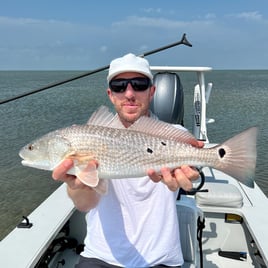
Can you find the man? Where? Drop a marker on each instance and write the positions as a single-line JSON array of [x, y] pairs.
[[135, 223]]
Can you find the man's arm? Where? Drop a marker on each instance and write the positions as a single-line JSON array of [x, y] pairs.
[[83, 196]]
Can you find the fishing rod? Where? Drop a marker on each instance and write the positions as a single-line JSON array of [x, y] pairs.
[[183, 41]]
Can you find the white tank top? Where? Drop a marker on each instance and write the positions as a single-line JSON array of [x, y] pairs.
[[134, 225]]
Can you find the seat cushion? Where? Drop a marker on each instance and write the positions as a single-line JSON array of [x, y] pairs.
[[222, 195]]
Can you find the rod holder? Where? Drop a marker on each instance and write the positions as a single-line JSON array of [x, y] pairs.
[[25, 223]]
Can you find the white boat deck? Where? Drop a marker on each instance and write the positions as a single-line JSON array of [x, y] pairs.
[[25, 246], [47, 223], [253, 213]]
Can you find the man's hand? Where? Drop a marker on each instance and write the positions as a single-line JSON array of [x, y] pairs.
[[83, 196], [60, 174], [181, 177]]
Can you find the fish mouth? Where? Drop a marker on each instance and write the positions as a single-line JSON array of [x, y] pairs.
[[42, 165], [26, 163], [22, 154]]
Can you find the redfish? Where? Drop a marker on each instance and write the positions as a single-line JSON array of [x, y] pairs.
[[129, 152]]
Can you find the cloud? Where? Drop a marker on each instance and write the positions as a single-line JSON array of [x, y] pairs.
[[252, 15], [53, 44], [158, 22], [152, 10], [103, 49], [210, 16], [47, 44]]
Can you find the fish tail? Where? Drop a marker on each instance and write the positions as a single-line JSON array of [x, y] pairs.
[[237, 156]]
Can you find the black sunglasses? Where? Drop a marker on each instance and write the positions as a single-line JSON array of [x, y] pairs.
[[137, 83]]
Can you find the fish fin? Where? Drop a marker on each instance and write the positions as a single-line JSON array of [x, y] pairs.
[[157, 128], [87, 173], [163, 130], [103, 117], [102, 187], [116, 123], [237, 156]]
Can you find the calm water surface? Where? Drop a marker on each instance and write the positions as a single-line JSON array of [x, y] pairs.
[[238, 100]]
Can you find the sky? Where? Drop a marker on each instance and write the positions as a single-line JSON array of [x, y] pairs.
[[88, 34]]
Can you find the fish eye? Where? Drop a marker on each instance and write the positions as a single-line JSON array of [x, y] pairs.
[[30, 147]]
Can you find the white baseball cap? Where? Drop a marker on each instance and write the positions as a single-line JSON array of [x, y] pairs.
[[129, 63]]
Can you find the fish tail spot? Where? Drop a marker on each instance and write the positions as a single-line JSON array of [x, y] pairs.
[[222, 152]]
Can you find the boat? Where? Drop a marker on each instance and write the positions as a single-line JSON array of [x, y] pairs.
[[222, 222]]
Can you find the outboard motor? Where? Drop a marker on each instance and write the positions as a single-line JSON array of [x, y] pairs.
[[167, 102]]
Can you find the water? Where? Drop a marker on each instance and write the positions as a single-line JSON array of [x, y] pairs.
[[238, 101]]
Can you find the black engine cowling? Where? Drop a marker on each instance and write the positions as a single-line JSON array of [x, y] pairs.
[[167, 102]]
